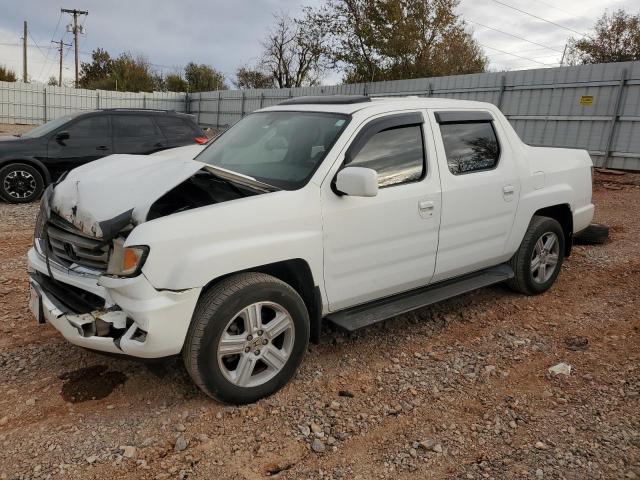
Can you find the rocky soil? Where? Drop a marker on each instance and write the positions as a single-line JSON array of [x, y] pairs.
[[459, 390]]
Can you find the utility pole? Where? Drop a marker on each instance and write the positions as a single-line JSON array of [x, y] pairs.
[[75, 30], [24, 53], [61, 46], [564, 54]]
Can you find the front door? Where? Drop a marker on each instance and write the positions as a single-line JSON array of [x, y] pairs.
[[383, 245], [79, 142]]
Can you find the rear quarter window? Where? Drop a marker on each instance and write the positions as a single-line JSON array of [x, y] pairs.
[[174, 126], [133, 126]]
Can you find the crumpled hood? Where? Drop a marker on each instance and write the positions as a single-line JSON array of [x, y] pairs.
[[102, 197]]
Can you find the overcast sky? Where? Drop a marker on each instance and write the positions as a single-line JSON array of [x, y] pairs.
[[227, 34]]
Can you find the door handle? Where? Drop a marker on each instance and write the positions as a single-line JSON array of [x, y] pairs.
[[507, 192], [426, 205], [102, 147]]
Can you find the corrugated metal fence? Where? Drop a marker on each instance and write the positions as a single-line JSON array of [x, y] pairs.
[[595, 107], [35, 104]]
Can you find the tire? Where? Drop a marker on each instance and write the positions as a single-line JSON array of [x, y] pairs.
[[20, 183], [223, 310], [529, 279], [594, 234]]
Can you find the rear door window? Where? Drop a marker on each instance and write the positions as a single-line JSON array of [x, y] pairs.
[[470, 146], [133, 126]]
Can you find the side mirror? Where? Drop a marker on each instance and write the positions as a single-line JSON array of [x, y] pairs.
[[62, 136], [357, 182]]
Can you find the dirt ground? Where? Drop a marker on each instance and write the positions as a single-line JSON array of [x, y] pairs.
[[458, 390]]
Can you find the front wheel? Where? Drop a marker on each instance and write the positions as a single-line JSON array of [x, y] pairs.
[[20, 183], [537, 262], [247, 338]]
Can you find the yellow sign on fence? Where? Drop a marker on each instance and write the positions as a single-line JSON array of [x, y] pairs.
[[586, 100]]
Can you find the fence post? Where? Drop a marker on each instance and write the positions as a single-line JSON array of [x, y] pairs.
[[200, 106], [614, 119], [187, 103], [503, 81], [261, 99], [217, 110], [97, 99], [429, 89], [45, 105], [144, 101], [242, 104]]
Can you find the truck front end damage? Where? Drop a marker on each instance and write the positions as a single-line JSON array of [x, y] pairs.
[[70, 289]]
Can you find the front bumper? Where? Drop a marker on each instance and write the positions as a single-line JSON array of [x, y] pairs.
[[140, 321]]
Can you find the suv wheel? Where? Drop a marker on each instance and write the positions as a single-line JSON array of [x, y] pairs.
[[537, 262], [247, 338], [20, 183]]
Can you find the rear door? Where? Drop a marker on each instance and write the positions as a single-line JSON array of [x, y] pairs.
[[136, 134], [178, 131], [87, 138], [480, 191]]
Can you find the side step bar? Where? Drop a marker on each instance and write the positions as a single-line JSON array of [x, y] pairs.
[[367, 314]]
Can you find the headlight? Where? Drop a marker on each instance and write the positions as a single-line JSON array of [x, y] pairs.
[[126, 261]]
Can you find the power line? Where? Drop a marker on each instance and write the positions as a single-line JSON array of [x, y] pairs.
[[512, 35], [557, 8], [518, 56], [540, 18]]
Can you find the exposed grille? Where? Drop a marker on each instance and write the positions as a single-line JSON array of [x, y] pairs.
[[69, 246]]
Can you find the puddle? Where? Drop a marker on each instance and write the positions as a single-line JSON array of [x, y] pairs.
[[90, 383]]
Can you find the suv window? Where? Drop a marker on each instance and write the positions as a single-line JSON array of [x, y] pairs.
[[173, 126], [397, 154], [97, 126], [470, 147], [133, 126]]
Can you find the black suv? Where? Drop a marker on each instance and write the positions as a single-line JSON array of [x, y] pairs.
[[31, 161]]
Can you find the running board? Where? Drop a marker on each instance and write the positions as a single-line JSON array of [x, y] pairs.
[[383, 309]]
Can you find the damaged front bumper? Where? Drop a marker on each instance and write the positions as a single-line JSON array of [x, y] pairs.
[[135, 318]]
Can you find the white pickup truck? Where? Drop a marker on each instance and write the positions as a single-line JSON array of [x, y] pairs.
[[344, 209]]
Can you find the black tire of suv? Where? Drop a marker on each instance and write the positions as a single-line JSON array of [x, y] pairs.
[[523, 281], [13, 167], [215, 309], [594, 234]]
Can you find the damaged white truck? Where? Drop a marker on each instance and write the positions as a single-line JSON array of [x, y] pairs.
[[344, 209]]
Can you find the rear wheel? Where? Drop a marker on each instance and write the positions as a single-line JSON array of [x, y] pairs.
[[20, 183], [537, 262], [247, 338]]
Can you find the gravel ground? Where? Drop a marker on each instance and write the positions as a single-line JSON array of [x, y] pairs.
[[11, 129], [458, 390]]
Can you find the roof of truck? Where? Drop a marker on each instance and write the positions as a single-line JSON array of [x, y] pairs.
[[349, 104]]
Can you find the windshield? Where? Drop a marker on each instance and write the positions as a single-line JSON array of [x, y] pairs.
[[48, 127], [282, 149]]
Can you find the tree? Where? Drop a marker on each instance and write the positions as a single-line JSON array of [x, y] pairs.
[[97, 70], [376, 40], [203, 78], [247, 77], [616, 38], [7, 75], [53, 81], [175, 83], [293, 52]]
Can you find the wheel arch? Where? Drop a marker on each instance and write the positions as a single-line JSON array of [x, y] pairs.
[[34, 162], [295, 272], [562, 214]]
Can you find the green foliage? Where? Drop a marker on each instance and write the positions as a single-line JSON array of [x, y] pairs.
[[53, 81], [377, 40], [7, 75], [175, 83], [616, 39], [203, 78], [252, 78]]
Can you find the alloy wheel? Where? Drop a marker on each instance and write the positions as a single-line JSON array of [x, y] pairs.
[[19, 184], [544, 259]]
